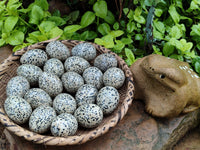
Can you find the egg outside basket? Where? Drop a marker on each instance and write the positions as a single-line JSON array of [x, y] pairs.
[[8, 70]]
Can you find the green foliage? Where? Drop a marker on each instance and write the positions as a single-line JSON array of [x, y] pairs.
[[175, 27]]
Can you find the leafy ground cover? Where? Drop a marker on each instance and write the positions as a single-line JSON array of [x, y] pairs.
[[132, 28]]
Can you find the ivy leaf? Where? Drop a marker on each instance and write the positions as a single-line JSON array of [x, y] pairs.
[[10, 23], [159, 26], [106, 41], [127, 40], [100, 9], [55, 32], [175, 32], [118, 47], [116, 33], [195, 30], [158, 12], [168, 49], [110, 18], [16, 38], [130, 27], [174, 14], [36, 15], [46, 26], [87, 19], [104, 28]]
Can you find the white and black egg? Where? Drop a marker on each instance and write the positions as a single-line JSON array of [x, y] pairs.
[[36, 97], [64, 125], [54, 66], [85, 50], [17, 109], [114, 77], [89, 115], [108, 99], [35, 57], [76, 64], [41, 119], [56, 49], [17, 85], [105, 61], [72, 81], [94, 76], [30, 72], [64, 103], [86, 94], [50, 83]]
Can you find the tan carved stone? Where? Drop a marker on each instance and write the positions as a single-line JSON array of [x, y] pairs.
[[167, 86]]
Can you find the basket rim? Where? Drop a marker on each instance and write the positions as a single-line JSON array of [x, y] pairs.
[[70, 140]]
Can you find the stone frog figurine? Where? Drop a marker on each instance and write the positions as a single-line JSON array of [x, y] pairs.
[[168, 86]]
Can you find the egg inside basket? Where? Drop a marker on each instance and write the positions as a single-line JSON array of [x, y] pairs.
[[126, 92]]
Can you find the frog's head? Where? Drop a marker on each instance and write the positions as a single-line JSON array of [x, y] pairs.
[[165, 85]]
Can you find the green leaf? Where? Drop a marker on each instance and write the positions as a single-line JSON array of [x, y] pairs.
[[129, 54], [174, 14], [87, 19], [106, 41], [99, 41], [195, 30], [92, 35], [46, 26], [129, 12], [158, 12], [100, 8], [138, 37], [130, 27], [110, 18], [140, 19], [10, 23], [55, 32], [84, 35], [138, 11], [42, 3], [74, 15], [33, 37], [58, 20], [18, 47], [168, 49], [116, 26], [175, 32], [197, 67], [157, 34], [16, 38], [36, 15], [116, 33], [104, 28], [72, 28], [185, 46], [2, 42], [159, 26], [118, 47], [127, 40]]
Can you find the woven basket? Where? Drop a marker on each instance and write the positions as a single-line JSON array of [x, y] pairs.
[[8, 70]]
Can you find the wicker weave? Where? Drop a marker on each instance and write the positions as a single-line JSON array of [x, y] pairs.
[[8, 70]]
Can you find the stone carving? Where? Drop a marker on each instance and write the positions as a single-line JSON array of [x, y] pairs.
[[167, 86]]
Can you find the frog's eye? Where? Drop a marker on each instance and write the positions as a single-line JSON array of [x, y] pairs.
[[162, 76]]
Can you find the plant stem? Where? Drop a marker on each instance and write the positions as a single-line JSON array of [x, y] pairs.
[[26, 23]]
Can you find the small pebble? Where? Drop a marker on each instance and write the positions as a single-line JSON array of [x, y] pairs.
[[17, 85], [36, 97], [85, 50], [54, 66], [114, 77], [30, 72], [64, 125], [41, 119], [50, 83], [94, 76], [89, 115], [76, 64], [35, 57], [105, 61], [72, 81], [86, 94], [17, 109], [64, 103], [108, 99], [56, 49]]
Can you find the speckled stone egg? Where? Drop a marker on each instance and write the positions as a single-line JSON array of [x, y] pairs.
[[35, 57], [36, 97], [17, 109], [86, 94], [85, 50], [50, 83], [114, 77], [76, 64], [56, 49], [64, 103], [30, 72], [72, 81], [89, 115], [94, 76], [17, 85], [105, 61], [54, 66], [41, 119], [64, 125], [108, 99]]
